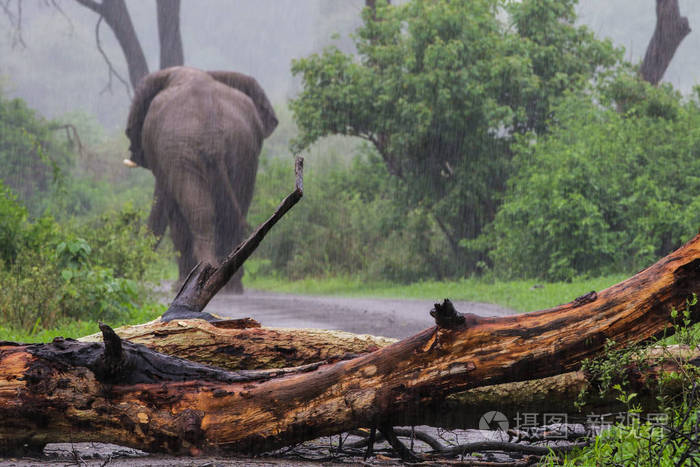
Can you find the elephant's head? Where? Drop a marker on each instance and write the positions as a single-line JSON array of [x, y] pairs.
[[154, 83]]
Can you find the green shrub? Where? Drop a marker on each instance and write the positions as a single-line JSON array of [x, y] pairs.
[[12, 216], [59, 260], [121, 241], [349, 222], [31, 157], [55, 273], [613, 187]]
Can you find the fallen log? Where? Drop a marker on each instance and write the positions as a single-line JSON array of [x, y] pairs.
[[245, 345], [242, 344], [46, 396], [561, 394]]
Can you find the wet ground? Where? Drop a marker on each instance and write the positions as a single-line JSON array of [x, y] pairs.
[[322, 451], [382, 317], [377, 316]]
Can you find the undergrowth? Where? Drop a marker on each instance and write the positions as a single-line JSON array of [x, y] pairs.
[[522, 295], [669, 436]]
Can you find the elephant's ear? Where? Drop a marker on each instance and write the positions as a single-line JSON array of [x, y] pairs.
[[147, 89], [248, 85]]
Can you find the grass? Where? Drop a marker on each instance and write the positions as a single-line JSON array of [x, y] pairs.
[[76, 329], [517, 295], [522, 296]]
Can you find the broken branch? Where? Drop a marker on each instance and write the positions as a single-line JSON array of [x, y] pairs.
[[205, 280]]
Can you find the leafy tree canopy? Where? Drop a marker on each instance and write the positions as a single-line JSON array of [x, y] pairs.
[[441, 87], [613, 186], [31, 156]]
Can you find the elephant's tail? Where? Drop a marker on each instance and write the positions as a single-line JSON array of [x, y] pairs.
[[231, 194]]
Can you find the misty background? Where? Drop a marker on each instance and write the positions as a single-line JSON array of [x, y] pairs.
[[60, 70], [434, 199]]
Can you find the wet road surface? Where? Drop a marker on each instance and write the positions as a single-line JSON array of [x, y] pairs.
[[387, 317]]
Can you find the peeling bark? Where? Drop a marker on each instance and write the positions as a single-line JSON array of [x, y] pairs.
[[244, 345], [44, 397]]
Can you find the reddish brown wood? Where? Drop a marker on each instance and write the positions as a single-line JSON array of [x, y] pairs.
[[43, 398]]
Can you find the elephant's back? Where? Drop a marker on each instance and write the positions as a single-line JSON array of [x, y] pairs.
[[199, 115]]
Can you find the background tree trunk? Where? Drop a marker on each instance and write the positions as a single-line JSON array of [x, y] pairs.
[[171, 53], [117, 16], [671, 29]]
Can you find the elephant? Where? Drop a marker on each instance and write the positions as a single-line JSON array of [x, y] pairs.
[[200, 133]]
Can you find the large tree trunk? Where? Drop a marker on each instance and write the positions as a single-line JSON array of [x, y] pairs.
[[244, 345], [671, 29], [171, 53], [70, 391], [117, 16]]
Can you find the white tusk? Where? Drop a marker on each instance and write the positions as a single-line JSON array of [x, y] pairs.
[[130, 163]]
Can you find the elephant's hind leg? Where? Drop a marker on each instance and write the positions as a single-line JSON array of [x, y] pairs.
[[182, 241], [191, 190]]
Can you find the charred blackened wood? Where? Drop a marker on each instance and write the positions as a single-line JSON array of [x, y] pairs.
[[125, 363], [447, 317], [586, 298]]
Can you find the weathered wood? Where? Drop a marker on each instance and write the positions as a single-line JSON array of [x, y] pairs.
[[44, 398], [244, 345], [559, 393], [205, 280]]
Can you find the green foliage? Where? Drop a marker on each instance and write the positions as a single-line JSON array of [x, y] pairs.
[[121, 241], [38, 162], [349, 222], [613, 186], [608, 374], [79, 328], [640, 443], [51, 273], [670, 439], [684, 332], [12, 217], [31, 157], [440, 89], [58, 260]]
